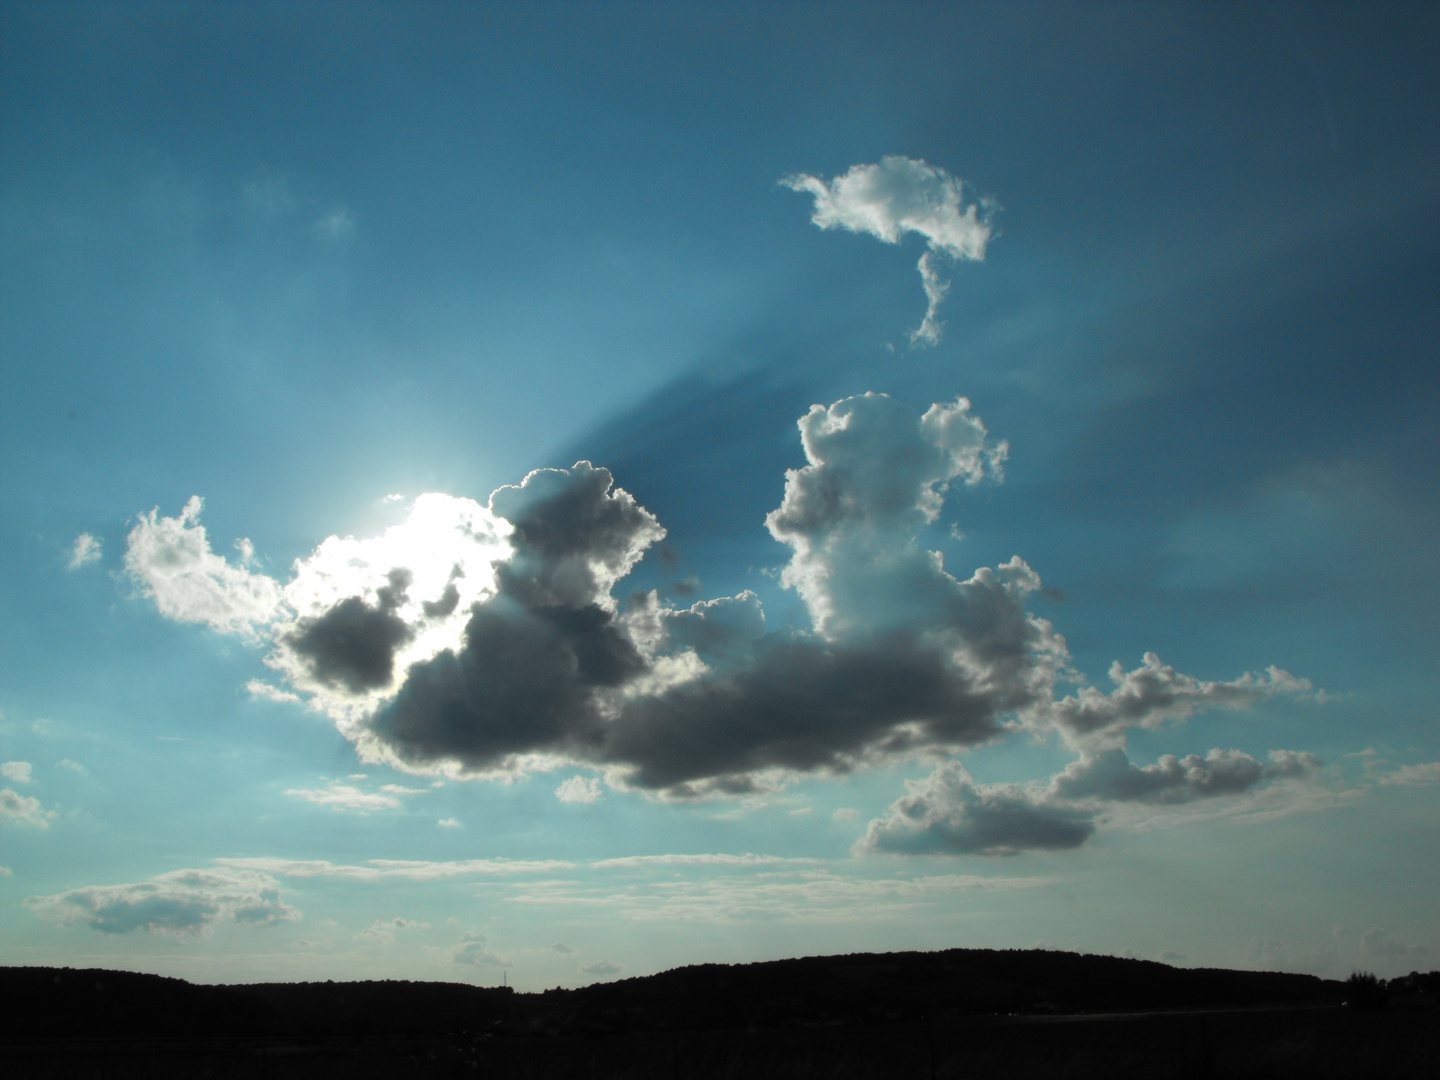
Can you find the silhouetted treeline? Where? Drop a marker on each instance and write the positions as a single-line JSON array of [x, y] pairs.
[[809, 992]]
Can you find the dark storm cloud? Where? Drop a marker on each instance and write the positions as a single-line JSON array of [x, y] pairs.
[[908, 656], [948, 813], [523, 683], [543, 666], [353, 644], [533, 657]]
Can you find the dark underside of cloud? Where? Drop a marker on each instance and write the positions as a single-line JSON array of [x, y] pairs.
[[901, 657]]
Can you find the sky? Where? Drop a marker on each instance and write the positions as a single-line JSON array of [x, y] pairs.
[[547, 493]]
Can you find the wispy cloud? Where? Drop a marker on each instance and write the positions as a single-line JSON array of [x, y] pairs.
[[379, 869], [346, 797], [815, 895], [85, 551]]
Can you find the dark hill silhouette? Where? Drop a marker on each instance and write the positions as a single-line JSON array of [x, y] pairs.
[[962, 1013], [855, 988]]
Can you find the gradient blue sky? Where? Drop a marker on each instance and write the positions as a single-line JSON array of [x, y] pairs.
[[299, 259]]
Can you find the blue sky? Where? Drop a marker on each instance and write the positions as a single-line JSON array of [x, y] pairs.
[[1142, 300]]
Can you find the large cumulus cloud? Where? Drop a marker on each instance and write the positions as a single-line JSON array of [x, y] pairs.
[[902, 195], [487, 640]]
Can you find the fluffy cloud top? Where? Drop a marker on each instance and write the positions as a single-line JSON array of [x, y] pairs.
[[172, 561], [487, 640], [902, 195], [181, 902], [579, 789]]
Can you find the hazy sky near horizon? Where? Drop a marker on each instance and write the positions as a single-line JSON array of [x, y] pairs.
[[556, 492]]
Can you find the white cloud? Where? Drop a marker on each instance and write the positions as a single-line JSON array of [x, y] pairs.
[[715, 859], [448, 823], [257, 689], [85, 551], [602, 967], [346, 797], [16, 809], [336, 225], [5, 871], [811, 895], [473, 951], [382, 931], [180, 902], [73, 766], [18, 771], [579, 789], [902, 195], [172, 561], [1409, 775]]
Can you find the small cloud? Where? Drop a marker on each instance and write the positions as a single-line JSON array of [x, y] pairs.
[[579, 789], [346, 797], [845, 813], [16, 809], [5, 871], [448, 823], [394, 496], [1377, 944], [1170, 957], [336, 225], [357, 776], [73, 766], [804, 810], [563, 949], [258, 689], [382, 931], [305, 945], [473, 951], [85, 551], [1411, 775], [19, 771], [603, 967]]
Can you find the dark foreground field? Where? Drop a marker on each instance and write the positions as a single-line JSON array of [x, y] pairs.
[[961, 1013]]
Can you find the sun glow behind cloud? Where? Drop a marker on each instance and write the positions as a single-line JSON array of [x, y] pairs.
[[485, 641]]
